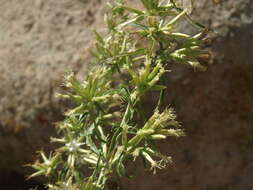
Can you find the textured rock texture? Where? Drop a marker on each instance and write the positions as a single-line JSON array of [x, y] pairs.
[[215, 108], [40, 40]]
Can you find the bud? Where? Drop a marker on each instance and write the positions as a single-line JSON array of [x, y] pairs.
[[152, 21], [158, 137]]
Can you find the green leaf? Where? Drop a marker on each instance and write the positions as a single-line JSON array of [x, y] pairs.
[[136, 11], [158, 87], [150, 4], [91, 144], [120, 168], [99, 37], [114, 138]]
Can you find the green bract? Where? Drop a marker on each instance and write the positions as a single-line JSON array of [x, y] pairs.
[[108, 126]]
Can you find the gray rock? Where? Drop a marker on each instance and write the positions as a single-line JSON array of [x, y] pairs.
[[215, 108], [40, 41]]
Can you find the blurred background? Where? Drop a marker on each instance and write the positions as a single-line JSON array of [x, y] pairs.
[[40, 40]]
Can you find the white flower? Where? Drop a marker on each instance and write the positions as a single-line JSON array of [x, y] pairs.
[[74, 145]]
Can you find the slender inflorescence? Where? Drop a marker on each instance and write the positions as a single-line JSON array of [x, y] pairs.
[[109, 126]]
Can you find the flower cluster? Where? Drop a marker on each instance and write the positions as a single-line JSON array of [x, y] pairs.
[[108, 125]]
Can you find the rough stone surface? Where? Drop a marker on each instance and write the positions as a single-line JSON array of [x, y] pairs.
[[215, 109], [216, 112], [41, 39]]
